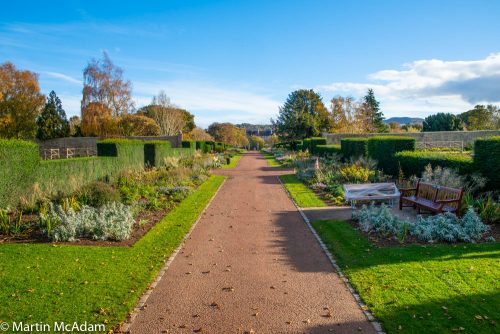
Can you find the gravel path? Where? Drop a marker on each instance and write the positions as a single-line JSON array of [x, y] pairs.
[[251, 265]]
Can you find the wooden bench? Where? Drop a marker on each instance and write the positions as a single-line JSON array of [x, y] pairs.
[[431, 198]]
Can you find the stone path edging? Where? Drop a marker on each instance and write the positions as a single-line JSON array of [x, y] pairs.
[[376, 325], [141, 304]]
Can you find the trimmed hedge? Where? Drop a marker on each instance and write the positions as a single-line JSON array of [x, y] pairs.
[[306, 144], [155, 151], [209, 146], [487, 160], [219, 147], [315, 141], [325, 150], [200, 145], [189, 144], [23, 177], [354, 147], [296, 145], [383, 149], [129, 152], [414, 163], [18, 163]]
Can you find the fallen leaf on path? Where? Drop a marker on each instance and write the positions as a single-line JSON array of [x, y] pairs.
[[307, 321]]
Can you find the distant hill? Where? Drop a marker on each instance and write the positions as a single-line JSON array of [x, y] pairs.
[[404, 120]]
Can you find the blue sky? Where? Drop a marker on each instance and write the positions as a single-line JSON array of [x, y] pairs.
[[238, 60]]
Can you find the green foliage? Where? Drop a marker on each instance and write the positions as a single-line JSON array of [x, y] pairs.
[[306, 144], [354, 173], [112, 221], [354, 147], [191, 144], [219, 147], [414, 163], [155, 151], [442, 122], [303, 115], [200, 145], [481, 118], [487, 160], [383, 149], [443, 227], [18, 165], [52, 122], [377, 116], [325, 150], [11, 227], [315, 141], [97, 194]]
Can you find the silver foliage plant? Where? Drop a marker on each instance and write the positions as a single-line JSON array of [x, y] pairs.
[[112, 221], [443, 227]]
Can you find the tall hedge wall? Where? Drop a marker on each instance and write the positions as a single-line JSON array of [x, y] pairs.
[[383, 149], [129, 152], [325, 150], [18, 164], [23, 175], [487, 160], [155, 151], [354, 147], [414, 162]]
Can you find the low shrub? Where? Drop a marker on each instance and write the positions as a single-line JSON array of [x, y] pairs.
[[353, 147], [112, 221], [384, 148], [97, 194], [414, 163], [325, 150], [445, 227], [487, 160]]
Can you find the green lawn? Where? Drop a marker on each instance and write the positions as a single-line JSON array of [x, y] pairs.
[[46, 283], [301, 194], [421, 289], [270, 160], [234, 161]]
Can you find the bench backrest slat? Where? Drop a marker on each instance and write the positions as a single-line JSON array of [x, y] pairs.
[[427, 191]]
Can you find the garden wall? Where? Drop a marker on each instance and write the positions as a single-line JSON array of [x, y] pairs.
[[467, 137], [91, 142]]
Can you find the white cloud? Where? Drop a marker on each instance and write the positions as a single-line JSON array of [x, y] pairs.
[[423, 87], [62, 76]]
